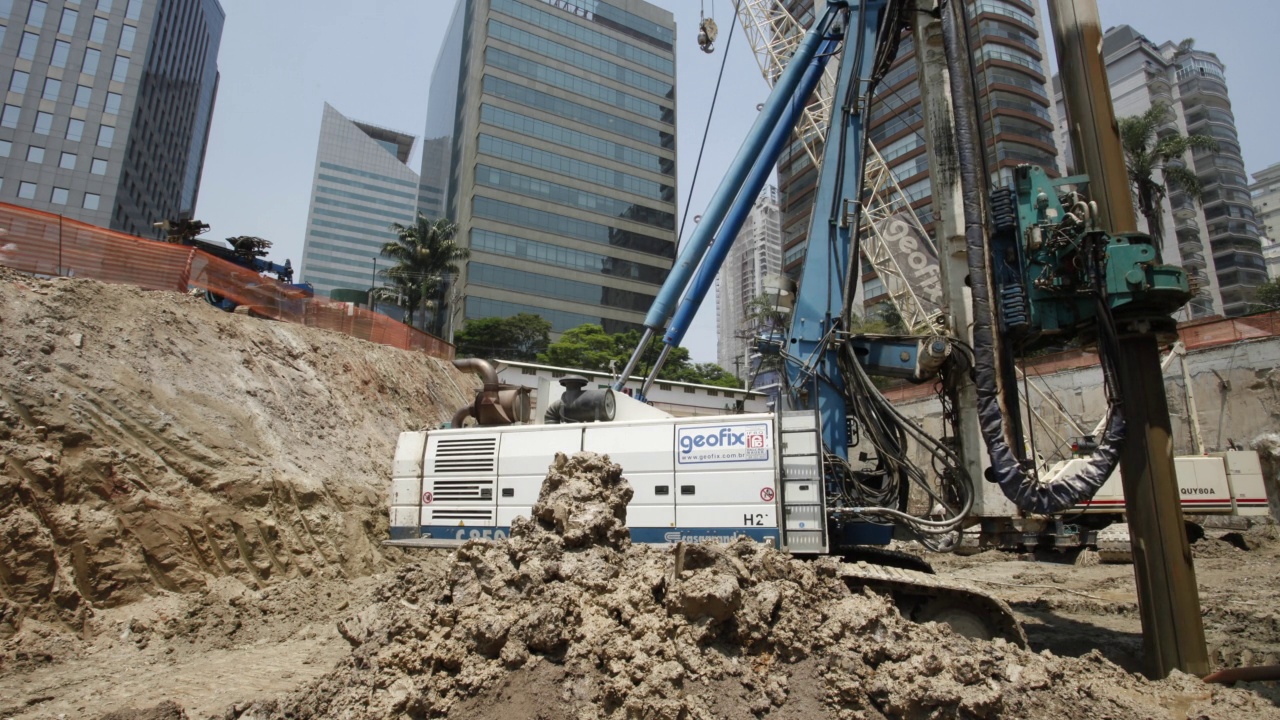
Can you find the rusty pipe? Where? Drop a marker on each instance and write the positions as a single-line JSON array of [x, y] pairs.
[[1244, 674], [476, 366], [461, 416]]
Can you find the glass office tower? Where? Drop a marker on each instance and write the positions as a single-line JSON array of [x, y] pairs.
[[550, 141], [108, 108]]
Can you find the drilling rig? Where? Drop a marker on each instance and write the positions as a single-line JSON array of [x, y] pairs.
[[1037, 262]]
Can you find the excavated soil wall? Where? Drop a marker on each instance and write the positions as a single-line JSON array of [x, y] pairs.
[[149, 442]]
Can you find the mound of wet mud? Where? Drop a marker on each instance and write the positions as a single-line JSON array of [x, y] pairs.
[[567, 618]]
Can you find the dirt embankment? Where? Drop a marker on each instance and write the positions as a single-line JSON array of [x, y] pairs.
[[150, 443]]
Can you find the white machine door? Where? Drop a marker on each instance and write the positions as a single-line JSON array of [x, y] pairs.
[[647, 457], [523, 464], [726, 478], [460, 474]]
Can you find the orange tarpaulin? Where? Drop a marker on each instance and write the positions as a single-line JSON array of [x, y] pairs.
[[46, 244]]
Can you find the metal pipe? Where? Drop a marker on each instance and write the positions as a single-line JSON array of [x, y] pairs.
[[461, 416], [634, 360], [657, 367], [1095, 136], [476, 366], [1168, 598], [1258, 673]]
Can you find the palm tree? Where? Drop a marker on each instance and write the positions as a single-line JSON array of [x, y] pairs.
[[1147, 150], [424, 254]]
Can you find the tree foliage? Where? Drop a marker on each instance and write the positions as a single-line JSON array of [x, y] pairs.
[[589, 347], [424, 254], [1149, 148], [1267, 297], [519, 337]]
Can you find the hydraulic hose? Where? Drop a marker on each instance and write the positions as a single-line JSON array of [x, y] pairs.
[[1026, 491]]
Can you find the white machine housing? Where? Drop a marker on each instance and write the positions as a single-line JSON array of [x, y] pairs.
[[694, 479], [1223, 483]]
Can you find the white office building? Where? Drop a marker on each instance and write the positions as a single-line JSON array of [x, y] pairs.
[[362, 185]]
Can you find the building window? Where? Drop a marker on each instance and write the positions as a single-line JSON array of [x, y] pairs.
[[67, 161], [133, 10], [59, 196], [6, 8], [121, 69], [36, 14], [75, 129], [113, 103], [91, 58], [52, 88], [44, 123], [91, 201], [68, 24], [27, 50], [106, 135], [98, 166], [127, 35], [6, 148], [61, 51], [104, 5], [84, 95], [98, 31], [18, 83], [9, 118], [27, 190], [35, 154]]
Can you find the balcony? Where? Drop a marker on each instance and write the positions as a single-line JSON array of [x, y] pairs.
[[1188, 246], [1193, 260], [1197, 277], [1183, 207], [1187, 225], [1210, 90]]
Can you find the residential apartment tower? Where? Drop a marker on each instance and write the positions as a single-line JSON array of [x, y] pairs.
[[1215, 237], [755, 257], [1011, 72]]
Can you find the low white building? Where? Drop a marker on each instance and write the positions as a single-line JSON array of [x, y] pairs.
[[680, 399]]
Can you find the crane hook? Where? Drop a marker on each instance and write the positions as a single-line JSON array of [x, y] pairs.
[[707, 32]]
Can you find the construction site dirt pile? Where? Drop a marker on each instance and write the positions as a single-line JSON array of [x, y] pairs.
[[568, 619], [150, 443]]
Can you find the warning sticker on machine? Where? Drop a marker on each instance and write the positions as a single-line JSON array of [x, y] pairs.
[[736, 442]]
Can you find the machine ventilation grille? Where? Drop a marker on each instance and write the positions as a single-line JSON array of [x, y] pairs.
[[462, 489], [471, 516], [466, 455]]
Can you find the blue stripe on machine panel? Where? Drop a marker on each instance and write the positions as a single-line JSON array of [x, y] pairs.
[[641, 535]]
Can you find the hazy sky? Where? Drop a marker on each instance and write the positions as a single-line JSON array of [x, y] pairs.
[[281, 60]]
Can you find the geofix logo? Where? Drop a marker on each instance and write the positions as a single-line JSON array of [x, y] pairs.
[[745, 442]]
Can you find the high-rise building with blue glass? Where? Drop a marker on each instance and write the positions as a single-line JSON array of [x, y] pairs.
[[362, 185], [108, 108], [551, 142]]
